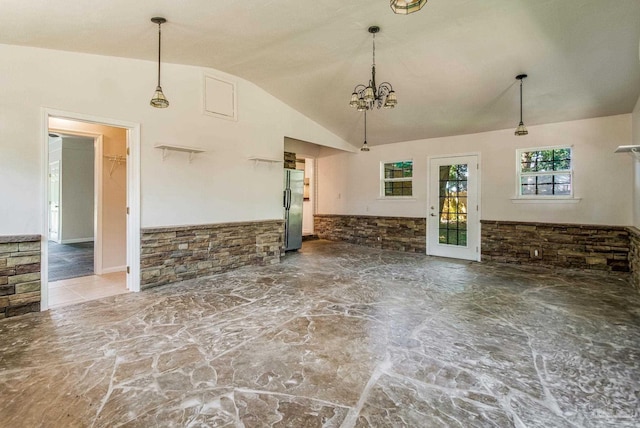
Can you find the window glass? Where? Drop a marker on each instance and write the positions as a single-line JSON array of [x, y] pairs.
[[397, 179], [545, 172]]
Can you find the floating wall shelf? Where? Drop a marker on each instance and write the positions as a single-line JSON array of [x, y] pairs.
[[258, 159], [190, 150], [632, 150]]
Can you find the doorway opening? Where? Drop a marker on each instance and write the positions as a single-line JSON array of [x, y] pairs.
[[307, 165], [303, 158], [92, 200]]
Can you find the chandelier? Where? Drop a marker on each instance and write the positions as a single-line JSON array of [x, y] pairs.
[[365, 97], [405, 7]]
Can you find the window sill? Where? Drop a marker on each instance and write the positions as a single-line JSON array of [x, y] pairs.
[[397, 198], [547, 200]]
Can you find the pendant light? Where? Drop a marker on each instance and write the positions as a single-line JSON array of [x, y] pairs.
[[521, 130], [365, 147], [159, 100]]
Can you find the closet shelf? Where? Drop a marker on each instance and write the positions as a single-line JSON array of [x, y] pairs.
[[115, 161], [168, 147]]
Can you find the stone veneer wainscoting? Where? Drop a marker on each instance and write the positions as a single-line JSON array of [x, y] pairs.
[[19, 275], [575, 246], [389, 233], [170, 254], [634, 256]]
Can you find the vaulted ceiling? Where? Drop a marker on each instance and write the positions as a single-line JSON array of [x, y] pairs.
[[453, 64]]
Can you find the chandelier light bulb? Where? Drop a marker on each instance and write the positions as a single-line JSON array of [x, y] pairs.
[[354, 100]]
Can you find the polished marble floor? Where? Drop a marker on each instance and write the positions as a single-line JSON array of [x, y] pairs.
[[70, 291], [337, 336]]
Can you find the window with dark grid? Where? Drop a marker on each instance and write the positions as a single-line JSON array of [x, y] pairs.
[[545, 172], [397, 179]]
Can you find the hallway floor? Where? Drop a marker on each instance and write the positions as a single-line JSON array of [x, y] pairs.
[[337, 336], [70, 260], [82, 289]]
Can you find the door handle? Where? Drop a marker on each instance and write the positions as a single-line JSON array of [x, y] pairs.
[[433, 215]]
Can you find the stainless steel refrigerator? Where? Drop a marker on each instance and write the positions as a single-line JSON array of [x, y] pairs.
[[293, 197]]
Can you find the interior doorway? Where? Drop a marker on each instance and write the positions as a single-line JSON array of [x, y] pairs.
[[453, 219], [92, 201], [72, 204], [307, 165]]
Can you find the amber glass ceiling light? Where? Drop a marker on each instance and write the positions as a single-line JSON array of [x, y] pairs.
[[405, 7], [364, 97], [521, 129], [159, 100]]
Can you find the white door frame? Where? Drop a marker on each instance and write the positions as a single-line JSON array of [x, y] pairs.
[[478, 199], [133, 193]]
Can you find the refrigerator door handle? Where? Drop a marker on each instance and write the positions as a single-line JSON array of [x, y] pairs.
[[288, 198], [284, 198]]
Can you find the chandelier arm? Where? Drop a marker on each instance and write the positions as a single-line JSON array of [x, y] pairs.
[[359, 89], [384, 89]]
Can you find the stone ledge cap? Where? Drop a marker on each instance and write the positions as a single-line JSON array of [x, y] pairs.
[[19, 238], [207, 226]]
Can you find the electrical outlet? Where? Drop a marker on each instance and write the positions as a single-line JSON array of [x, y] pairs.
[[535, 253]]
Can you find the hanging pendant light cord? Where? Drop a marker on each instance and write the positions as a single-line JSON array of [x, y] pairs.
[[159, 50], [521, 101], [374, 49], [365, 127]]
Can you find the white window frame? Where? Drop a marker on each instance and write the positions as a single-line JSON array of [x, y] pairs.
[[519, 174], [384, 180]]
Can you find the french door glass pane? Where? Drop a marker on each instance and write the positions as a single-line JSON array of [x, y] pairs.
[[453, 204]]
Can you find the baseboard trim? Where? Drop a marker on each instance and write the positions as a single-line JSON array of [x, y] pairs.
[[75, 241], [114, 269]]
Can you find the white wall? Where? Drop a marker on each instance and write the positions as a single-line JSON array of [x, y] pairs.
[[220, 185], [77, 199], [350, 183]]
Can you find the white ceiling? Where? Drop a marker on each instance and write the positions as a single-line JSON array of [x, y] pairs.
[[453, 64]]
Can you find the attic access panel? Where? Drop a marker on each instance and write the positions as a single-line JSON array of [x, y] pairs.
[[220, 98]]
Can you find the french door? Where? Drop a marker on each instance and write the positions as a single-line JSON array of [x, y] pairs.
[[453, 220]]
